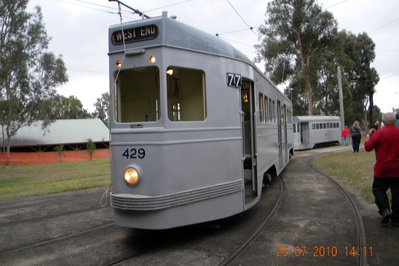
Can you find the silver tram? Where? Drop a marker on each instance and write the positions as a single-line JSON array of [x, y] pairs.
[[196, 128], [312, 131]]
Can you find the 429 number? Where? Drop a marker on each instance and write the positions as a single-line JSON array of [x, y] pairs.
[[134, 153]]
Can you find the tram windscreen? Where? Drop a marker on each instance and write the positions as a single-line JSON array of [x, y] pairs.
[[186, 94], [137, 95]]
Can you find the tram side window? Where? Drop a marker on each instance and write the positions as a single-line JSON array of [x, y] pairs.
[[274, 111], [186, 94], [266, 101], [289, 116], [271, 106], [137, 95], [261, 108], [283, 114]]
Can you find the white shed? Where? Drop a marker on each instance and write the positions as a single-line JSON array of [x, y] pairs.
[[72, 133]]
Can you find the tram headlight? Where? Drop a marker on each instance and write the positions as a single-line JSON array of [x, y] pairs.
[[131, 176], [153, 59]]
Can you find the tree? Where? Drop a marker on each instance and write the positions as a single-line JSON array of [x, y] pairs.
[[377, 115], [302, 47], [28, 71], [90, 147], [67, 108], [102, 108], [361, 76], [297, 35]]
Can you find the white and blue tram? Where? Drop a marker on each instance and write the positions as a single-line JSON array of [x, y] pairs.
[[313, 131], [196, 128]]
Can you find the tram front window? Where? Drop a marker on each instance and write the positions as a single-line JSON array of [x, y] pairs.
[[186, 94], [137, 95]]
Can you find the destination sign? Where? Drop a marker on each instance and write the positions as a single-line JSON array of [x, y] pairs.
[[137, 34]]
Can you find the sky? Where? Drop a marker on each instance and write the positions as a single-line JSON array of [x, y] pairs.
[[79, 32]]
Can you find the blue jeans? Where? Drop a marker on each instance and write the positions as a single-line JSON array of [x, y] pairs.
[[356, 142]]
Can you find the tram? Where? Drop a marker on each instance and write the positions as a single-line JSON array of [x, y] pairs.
[[196, 129], [314, 131]]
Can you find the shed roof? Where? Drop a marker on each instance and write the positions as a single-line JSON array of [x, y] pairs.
[[67, 131]]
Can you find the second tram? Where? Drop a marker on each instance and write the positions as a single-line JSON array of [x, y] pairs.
[[313, 131]]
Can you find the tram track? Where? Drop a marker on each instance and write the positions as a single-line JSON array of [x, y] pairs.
[[310, 228], [33, 209], [22, 232], [130, 245], [258, 229], [360, 229], [52, 216], [50, 241], [204, 239]]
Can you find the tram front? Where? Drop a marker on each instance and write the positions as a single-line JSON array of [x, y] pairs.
[[169, 167]]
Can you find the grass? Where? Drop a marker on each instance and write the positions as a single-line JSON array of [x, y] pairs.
[[31, 180], [352, 169]]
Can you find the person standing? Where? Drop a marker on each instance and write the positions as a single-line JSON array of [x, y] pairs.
[[345, 135], [385, 143], [356, 136], [376, 125]]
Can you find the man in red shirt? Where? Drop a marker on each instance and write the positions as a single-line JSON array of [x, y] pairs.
[[385, 143]]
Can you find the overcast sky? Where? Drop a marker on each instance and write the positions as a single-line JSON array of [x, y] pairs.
[[79, 28]]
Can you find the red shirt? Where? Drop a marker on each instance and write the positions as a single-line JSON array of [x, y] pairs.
[[385, 142], [345, 132]]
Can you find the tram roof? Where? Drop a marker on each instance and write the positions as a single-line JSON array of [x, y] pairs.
[[65, 131], [173, 33], [315, 118]]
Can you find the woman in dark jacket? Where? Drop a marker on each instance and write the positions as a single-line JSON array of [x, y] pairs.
[[356, 136]]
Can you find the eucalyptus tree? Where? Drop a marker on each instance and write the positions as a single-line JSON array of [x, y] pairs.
[[29, 72], [102, 108], [296, 36], [67, 108], [362, 78]]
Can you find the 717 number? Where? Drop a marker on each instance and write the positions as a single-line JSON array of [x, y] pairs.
[[134, 153]]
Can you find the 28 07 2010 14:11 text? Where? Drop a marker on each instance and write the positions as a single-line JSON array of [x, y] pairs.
[[322, 251]]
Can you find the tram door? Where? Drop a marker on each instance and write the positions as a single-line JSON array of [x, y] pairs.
[[280, 135], [285, 134], [305, 133], [249, 138]]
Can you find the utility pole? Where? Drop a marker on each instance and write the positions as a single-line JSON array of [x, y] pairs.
[[341, 99]]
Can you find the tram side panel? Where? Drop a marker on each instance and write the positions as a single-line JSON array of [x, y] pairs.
[[268, 150], [267, 133]]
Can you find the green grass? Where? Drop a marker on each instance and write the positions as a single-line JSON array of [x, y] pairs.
[[351, 169], [31, 180]]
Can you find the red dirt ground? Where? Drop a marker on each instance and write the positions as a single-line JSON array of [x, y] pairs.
[[24, 158]]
